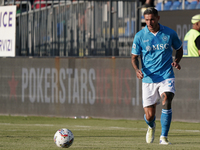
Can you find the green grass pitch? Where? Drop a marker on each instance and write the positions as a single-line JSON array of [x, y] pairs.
[[36, 133]]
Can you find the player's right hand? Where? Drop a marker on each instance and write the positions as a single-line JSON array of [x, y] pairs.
[[139, 74], [176, 65]]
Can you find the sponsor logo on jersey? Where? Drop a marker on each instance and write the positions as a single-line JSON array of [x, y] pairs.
[[134, 46], [165, 38], [157, 47], [145, 41], [148, 48]]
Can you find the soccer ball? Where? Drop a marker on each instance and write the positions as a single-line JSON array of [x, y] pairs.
[[63, 138]]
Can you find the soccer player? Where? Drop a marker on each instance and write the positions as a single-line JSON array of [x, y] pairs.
[[154, 46]]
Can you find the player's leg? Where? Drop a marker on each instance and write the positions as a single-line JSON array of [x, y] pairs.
[[150, 118], [167, 90], [150, 96], [166, 116]]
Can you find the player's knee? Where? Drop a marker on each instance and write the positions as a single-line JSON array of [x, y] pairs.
[[168, 100], [149, 116]]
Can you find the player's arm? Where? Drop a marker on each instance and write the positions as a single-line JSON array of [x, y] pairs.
[[178, 57], [197, 42], [135, 64]]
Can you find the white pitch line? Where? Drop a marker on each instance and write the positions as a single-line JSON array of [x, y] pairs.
[[83, 126], [80, 127], [26, 124], [186, 130]]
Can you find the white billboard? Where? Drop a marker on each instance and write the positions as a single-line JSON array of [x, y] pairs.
[[7, 31]]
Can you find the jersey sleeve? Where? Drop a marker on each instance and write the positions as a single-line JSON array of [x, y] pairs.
[[136, 49], [176, 42]]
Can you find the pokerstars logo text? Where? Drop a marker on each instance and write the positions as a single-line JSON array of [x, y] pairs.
[[77, 85]]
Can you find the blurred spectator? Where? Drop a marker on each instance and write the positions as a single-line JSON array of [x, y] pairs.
[[147, 3], [38, 3], [22, 5], [18, 6], [191, 45]]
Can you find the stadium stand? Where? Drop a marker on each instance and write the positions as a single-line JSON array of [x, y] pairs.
[[176, 5], [181, 5], [186, 4], [198, 6], [159, 6], [167, 5], [130, 32], [192, 5]]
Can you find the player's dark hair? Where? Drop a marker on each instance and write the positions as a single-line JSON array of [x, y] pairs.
[[151, 10]]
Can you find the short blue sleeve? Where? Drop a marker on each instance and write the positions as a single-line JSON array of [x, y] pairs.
[[136, 49], [176, 42]]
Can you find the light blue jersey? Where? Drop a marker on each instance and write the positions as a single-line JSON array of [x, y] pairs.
[[156, 53]]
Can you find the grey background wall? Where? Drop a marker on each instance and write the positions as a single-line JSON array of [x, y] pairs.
[[180, 20], [96, 87]]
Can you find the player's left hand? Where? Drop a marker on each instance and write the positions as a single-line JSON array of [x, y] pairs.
[[176, 65]]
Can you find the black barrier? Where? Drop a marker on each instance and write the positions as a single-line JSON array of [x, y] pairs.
[[96, 87]]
